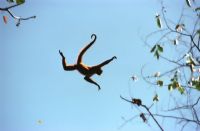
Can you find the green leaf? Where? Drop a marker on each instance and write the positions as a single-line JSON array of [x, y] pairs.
[[160, 82], [196, 84], [175, 77], [155, 98], [175, 42], [181, 90], [20, 1], [198, 87], [10, 1], [177, 26], [158, 21], [180, 27], [197, 9], [175, 85], [160, 48], [39, 122], [153, 48], [198, 31], [190, 61], [156, 54], [188, 3], [170, 87]]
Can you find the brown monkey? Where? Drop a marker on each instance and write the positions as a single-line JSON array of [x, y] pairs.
[[85, 70]]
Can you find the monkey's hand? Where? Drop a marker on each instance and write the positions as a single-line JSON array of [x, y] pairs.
[[61, 54], [99, 88], [114, 57]]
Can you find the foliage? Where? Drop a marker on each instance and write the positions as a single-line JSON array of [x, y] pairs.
[[160, 82], [158, 21], [183, 74], [186, 38], [155, 98], [157, 49], [16, 1]]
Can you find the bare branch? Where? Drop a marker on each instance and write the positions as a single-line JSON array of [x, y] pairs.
[[144, 106], [19, 19], [176, 117]]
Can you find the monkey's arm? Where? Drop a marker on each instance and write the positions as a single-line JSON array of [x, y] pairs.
[[106, 62], [88, 79], [65, 66], [85, 49]]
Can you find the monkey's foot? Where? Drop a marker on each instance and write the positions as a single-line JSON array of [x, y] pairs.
[[114, 57], [99, 88]]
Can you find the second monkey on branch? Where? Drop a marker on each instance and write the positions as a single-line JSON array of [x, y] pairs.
[[85, 70]]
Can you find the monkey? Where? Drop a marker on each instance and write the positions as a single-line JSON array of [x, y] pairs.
[[85, 70]]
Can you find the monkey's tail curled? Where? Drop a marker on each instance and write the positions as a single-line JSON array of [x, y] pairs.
[[95, 37]]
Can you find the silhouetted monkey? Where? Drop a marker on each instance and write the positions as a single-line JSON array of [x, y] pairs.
[[85, 70]]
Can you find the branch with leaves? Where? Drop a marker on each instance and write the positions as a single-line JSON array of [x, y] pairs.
[[190, 59], [17, 18], [190, 107], [138, 102], [183, 71]]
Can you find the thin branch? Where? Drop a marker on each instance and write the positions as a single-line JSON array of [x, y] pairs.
[[126, 121], [188, 107], [172, 30], [9, 7], [194, 43], [195, 114], [184, 126], [185, 106], [195, 25], [190, 40], [164, 36], [153, 117], [19, 19], [152, 33], [172, 61], [144, 106], [176, 117]]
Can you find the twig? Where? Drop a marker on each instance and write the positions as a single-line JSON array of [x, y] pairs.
[[19, 19], [172, 30], [144, 106], [185, 106], [176, 117]]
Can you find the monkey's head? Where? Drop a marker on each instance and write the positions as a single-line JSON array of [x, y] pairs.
[[99, 71]]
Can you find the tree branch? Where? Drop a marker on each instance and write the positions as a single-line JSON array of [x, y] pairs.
[[176, 117], [19, 19], [172, 30], [144, 106]]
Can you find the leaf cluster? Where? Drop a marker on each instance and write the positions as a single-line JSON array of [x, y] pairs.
[[157, 49], [16, 1]]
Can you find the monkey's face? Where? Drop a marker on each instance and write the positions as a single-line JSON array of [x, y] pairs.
[[99, 71]]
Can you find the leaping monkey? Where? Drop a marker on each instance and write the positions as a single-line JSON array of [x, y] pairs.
[[85, 70]]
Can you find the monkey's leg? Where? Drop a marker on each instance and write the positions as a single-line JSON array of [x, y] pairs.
[[106, 62], [88, 79], [65, 66]]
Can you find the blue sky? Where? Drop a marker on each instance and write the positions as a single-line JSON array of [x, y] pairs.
[[34, 86]]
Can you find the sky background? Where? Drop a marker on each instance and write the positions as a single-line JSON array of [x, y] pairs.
[[34, 86]]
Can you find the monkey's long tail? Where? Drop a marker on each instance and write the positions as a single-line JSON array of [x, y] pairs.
[[95, 37]]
